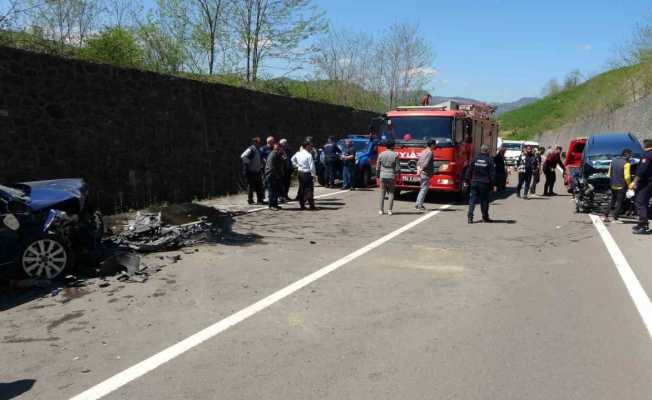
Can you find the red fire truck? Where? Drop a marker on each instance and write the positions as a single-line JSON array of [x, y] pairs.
[[459, 129]]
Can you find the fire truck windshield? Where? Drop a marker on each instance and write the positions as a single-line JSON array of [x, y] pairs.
[[419, 128]]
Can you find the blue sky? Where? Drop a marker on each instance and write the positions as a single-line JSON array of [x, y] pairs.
[[501, 50]]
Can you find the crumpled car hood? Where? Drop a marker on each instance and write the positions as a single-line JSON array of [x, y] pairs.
[[46, 194]]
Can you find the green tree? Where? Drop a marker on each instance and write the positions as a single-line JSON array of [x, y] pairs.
[[114, 46], [274, 29]]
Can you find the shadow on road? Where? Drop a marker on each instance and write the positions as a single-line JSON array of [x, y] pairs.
[[14, 389]]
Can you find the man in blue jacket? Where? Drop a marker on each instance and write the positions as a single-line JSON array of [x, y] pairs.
[[643, 186], [331, 155], [481, 178]]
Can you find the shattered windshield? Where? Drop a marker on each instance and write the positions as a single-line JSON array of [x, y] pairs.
[[419, 128]]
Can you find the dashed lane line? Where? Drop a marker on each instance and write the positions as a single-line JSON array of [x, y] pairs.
[[636, 291], [130, 374]]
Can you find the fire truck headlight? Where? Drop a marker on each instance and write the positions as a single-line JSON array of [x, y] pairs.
[[444, 167], [444, 181]]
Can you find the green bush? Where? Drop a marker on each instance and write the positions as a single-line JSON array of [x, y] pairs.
[[114, 46]]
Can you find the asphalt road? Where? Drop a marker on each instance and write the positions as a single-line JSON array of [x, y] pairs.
[[531, 307]]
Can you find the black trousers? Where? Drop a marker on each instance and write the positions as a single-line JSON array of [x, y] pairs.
[[524, 182], [551, 177], [642, 200], [255, 185], [501, 181], [479, 192], [287, 180], [331, 165], [306, 190], [274, 186], [616, 202], [536, 177]]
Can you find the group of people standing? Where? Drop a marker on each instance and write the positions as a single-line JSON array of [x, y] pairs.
[[334, 157], [531, 164], [639, 184], [269, 168], [480, 178]]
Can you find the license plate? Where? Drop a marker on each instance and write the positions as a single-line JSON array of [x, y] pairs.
[[411, 178]]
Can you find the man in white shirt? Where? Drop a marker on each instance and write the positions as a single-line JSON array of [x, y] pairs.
[[305, 164]]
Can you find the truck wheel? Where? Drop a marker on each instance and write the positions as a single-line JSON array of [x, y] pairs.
[[462, 195], [397, 194], [45, 257]]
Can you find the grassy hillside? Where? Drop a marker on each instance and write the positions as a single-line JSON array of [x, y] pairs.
[[603, 93]]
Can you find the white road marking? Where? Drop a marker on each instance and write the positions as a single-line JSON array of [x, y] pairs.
[[122, 378], [292, 202], [636, 291]]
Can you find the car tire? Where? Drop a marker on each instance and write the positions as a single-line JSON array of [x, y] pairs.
[[45, 257]]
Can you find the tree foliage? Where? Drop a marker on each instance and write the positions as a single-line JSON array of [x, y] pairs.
[[238, 42], [116, 46], [274, 29], [396, 65]]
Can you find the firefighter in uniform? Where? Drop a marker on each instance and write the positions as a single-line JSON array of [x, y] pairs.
[[481, 178], [643, 187]]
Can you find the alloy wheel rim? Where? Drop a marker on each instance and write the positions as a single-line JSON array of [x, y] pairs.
[[44, 258]]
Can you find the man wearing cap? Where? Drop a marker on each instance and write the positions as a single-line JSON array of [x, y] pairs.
[[425, 171], [643, 186], [481, 178]]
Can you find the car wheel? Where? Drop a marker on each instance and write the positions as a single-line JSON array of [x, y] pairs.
[[45, 258]]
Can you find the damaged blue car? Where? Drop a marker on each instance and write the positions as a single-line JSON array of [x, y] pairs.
[[46, 228]]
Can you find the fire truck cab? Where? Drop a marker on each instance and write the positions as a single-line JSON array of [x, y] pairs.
[[459, 129]]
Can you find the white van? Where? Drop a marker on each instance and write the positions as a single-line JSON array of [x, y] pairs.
[[513, 149]]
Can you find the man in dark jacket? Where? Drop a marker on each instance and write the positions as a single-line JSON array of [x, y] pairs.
[[549, 165], [274, 169], [643, 187], [501, 170], [287, 172], [331, 155], [481, 178], [528, 164], [348, 166]]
